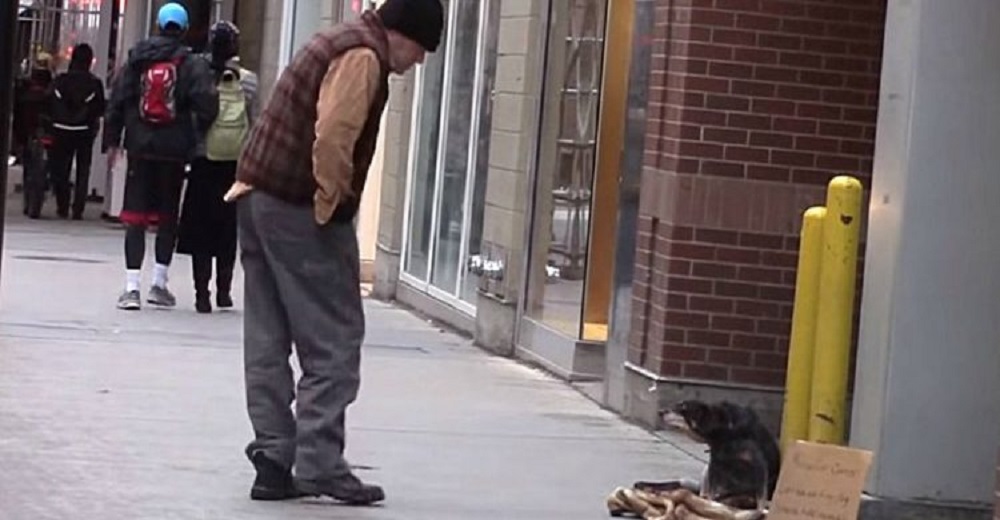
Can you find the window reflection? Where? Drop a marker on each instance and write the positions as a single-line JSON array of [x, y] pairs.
[[451, 209], [565, 171], [424, 173], [481, 152], [451, 153]]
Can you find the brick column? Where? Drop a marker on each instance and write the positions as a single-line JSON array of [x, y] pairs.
[[754, 105]]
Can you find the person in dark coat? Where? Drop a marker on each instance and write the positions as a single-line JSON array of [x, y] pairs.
[[77, 105], [208, 223], [161, 100], [30, 103], [31, 120]]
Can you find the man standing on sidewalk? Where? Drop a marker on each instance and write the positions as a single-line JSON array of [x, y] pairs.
[[302, 174], [163, 98]]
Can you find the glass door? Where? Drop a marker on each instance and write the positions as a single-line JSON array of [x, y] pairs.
[[565, 172], [448, 161], [479, 149], [576, 187], [302, 19]]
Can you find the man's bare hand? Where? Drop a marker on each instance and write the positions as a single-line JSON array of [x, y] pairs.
[[325, 202], [237, 190]]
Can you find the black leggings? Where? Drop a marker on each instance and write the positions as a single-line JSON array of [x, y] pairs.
[[135, 243], [152, 194]]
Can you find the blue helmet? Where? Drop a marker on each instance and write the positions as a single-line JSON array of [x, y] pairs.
[[172, 13]]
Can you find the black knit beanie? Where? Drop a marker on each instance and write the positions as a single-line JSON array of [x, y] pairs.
[[419, 20]]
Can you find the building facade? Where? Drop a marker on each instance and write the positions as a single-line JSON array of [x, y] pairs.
[[758, 106], [492, 202], [613, 190]]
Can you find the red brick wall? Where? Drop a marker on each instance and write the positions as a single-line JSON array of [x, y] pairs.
[[754, 106]]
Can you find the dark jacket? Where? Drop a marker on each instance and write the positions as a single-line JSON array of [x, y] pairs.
[[195, 94], [30, 105], [279, 153], [77, 102]]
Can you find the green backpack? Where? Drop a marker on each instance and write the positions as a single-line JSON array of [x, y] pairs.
[[225, 138]]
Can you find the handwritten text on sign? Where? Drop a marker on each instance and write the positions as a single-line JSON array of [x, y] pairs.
[[820, 481]]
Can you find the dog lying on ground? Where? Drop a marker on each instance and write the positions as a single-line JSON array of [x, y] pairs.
[[744, 458]]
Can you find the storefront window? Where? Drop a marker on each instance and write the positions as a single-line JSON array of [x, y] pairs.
[[424, 168], [301, 20], [461, 79], [308, 20], [481, 151], [565, 173], [448, 168]]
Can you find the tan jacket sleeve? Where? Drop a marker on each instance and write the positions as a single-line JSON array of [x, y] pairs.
[[345, 98]]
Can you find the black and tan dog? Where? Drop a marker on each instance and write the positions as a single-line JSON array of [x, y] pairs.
[[744, 458]]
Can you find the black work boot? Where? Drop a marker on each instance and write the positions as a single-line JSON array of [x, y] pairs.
[[224, 300], [349, 490], [203, 302], [224, 266], [201, 267], [273, 482]]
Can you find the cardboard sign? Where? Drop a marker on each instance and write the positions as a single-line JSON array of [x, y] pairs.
[[820, 481]]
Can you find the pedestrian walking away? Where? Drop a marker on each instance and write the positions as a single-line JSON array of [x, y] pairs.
[[299, 182], [207, 228], [31, 110], [76, 104], [162, 99], [32, 129]]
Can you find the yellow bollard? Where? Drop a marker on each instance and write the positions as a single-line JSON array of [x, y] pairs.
[[798, 379], [837, 280]]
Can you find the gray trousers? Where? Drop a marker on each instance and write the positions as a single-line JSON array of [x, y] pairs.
[[302, 287]]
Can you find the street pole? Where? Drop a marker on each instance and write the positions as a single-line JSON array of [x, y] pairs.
[[8, 31]]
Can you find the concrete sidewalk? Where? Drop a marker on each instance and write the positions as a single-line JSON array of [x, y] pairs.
[[105, 414]]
